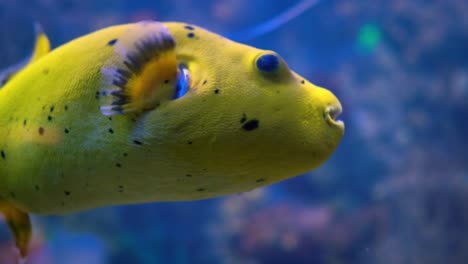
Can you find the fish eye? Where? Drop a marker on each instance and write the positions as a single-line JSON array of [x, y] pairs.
[[268, 63], [183, 82]]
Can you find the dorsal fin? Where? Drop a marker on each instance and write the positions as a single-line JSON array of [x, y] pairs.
[[42, 43], [41, 48], [141, 72]]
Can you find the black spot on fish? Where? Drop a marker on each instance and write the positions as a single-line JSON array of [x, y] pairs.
[[118, 165], [251, 125], [112, 42], [191, 35], [204, 82], [137, 142], [65, 107], [260, 180], [41, 131], [111, 131], [12, 194], [166, 81], [3, 154], [189, 27], [67, 193], [52, 109], [66, 131], [125, 154], [188, 175], [49, 118], [25, 122], [302, 81], [37, 187], [190, 142], [216, 91], [200, 189]]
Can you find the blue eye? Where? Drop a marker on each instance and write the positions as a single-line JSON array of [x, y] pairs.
[[183, 82], [268, 63]]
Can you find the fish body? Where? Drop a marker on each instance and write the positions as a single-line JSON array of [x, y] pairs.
[[102, 120]]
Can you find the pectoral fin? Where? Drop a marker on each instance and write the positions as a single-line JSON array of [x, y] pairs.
[[141, 72], [41, 48], [19, 224]]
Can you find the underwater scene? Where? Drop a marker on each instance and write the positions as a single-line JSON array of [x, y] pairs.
[[167, 143]]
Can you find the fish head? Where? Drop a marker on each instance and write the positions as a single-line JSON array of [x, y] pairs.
[[245, 111]]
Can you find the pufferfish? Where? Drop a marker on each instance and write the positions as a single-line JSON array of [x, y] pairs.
[[153, 111]]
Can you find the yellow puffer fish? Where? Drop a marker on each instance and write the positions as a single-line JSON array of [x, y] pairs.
[[153, 111]]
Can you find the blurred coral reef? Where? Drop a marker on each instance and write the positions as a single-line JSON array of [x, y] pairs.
[[395, 191]]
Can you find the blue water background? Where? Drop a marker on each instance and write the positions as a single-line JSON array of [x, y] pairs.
[[395, 190]]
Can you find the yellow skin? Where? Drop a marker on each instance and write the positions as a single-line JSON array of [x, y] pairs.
[[61, 154]]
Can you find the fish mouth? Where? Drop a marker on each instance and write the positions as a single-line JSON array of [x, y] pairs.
[[330, 115]]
